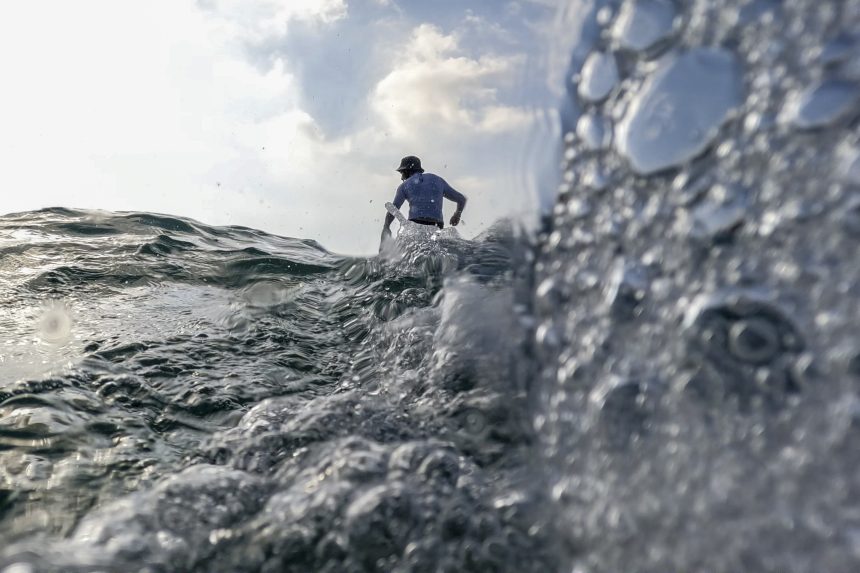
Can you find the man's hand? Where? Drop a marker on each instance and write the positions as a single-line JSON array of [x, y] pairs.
[[386, 236], [455, 219]]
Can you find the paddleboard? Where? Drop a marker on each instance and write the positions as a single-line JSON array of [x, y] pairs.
[[397, 214]]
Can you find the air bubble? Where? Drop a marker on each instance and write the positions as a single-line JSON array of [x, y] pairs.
[[604, 16], [592, 130], [627, 288], [744, 325], [839, 50], [599, 77], [717, 220], [595, 179], [578, 208], [625, 412], [758, 10], [822, 104], [754, 340], [473, 421], [643, 23], [679, 111], [849, 164], [851, 217]]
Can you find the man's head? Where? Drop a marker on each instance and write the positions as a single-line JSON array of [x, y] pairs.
[[409, 166]]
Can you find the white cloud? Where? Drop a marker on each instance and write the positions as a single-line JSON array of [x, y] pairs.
[[258, 19], [434, 89]]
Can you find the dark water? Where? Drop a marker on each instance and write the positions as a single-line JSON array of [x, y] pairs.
[[665, 378], [179, 397]]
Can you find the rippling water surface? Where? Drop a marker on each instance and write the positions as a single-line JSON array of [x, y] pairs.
[[181, 397], [663, 379]]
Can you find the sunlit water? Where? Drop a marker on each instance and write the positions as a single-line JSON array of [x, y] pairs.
[[664, 379]]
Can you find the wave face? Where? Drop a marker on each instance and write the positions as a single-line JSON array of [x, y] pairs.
[[665, 378], [178, 397]]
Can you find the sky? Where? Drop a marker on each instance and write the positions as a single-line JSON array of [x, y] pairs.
[[288, 116]]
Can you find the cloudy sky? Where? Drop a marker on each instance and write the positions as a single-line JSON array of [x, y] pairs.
[[284, 115]]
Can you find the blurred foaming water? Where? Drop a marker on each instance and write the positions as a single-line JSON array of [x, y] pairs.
[[697, 309], [665, 378]]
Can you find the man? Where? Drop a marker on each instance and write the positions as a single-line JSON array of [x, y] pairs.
[[425, 193]]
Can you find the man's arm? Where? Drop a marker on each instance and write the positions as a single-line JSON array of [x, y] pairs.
[[458, 198], [386, 228], [399, 198]]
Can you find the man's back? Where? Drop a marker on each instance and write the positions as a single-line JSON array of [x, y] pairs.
[[425, 192]]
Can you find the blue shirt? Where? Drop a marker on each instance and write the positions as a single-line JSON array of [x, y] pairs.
[[425, 191]]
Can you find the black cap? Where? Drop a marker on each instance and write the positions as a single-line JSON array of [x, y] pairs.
[[410, 163]]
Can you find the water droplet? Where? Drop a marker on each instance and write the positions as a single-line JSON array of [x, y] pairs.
[[598, 77], [822, 104], [680, 109], [578, 208], [643, 23], [55, 324], [592, 129], [604, 15]]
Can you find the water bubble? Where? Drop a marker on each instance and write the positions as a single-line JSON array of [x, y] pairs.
[[854, 365], [822, 104], [744, 347], [851, 217], [680, 109], [625, 411], [579, 208], [643, 23], [599, 77], [473, 421], [744, 325], [595, 178], [441, 466], [55, 324], [849, 164], [592, 130], [758, 10], [604, 15], [754, 340], [379, 521], [718, 218], [627, 288], [849, 69], [839, 50]]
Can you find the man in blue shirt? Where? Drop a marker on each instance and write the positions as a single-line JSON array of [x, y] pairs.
[[425, 193]]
